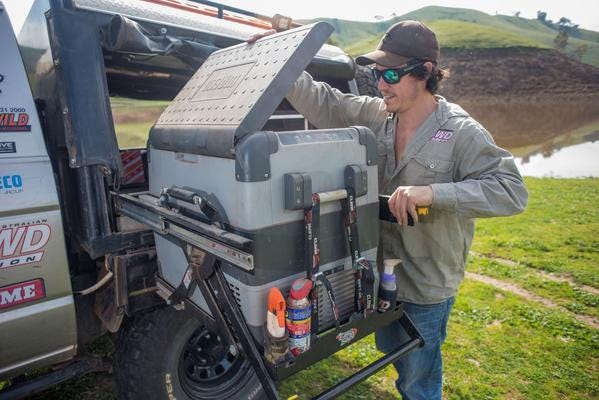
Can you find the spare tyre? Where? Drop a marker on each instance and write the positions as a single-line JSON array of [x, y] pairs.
[[168, 354]]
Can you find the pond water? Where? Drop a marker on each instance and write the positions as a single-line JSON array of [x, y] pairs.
[[580, 160], [550, 137]]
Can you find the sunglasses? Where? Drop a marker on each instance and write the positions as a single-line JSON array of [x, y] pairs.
[[393, 75]]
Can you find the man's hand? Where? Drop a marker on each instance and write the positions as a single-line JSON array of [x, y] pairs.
[[405, 199], [260, 35]]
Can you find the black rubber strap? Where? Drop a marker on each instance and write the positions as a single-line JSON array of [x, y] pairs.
[[363, 271], [351, 227], [367, 282], [312, 225], [348, 207], [312, 228], [315, 307]]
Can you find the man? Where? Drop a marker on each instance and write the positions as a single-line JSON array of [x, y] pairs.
[[430, 153]]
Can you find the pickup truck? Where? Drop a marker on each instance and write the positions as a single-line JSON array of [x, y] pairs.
[[77, 258]]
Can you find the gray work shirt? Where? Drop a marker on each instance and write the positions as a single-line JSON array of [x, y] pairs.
[[470, 177]]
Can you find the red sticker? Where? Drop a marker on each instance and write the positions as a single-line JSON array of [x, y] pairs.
[[14, 122], [133, 167], [20, 293]]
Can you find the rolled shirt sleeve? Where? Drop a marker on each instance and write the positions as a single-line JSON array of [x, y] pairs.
[[326, 107]]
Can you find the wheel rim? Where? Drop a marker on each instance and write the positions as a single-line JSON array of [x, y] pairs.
[[209, 367]]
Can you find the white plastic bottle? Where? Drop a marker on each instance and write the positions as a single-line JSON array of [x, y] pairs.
[[388, 286]]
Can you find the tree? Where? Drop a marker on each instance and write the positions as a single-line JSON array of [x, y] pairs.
[[561, 40], [564, 21], [541, 16], [580, 51]]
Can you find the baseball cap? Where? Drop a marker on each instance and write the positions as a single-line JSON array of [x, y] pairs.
[[403, 42]]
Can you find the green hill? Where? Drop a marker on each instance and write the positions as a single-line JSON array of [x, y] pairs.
[[460, 34], [465, 28]]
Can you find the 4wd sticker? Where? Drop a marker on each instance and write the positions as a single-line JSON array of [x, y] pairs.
[[14, 119], [23, 292], [8, 147], [21, 245]]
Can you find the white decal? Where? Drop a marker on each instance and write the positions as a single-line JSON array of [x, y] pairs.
[[22, 244], [187, 278], [21, 260]]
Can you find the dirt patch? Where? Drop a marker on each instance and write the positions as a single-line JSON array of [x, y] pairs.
[[515, 289], [514, 71], [504, 261], [560, 278], [564, 278]]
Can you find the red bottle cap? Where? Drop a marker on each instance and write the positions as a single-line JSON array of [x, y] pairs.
[[300, 288]]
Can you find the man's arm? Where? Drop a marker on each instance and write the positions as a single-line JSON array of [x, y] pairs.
[[327, 107], [488, 183]]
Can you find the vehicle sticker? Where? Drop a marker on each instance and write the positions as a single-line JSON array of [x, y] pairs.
[[23, 292], [187, 278], [14, 119], [133, 167], [23, 244], [8, 147], [11, 184], [442, 135], [345, 337]]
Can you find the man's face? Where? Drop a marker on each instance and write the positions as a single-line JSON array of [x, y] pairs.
[[401, 96]]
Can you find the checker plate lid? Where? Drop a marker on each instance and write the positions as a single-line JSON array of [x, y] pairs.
[[236, 90]]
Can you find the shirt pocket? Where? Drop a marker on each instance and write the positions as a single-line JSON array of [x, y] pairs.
[[426, 170]]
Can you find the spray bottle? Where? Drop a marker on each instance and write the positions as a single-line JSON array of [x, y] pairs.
[[388, 286], [275, 336]]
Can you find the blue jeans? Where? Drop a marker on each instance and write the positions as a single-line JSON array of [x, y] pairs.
[[421, 371]]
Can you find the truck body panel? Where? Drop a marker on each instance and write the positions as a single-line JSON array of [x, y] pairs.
[[37, 311]]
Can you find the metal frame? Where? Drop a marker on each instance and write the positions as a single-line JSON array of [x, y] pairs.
[[223, 7], [228, 246], [227, 319]]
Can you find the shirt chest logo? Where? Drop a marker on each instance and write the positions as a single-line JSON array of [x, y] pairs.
[[442, 136]]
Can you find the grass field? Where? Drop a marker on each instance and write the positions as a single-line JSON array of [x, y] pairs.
[[134, 118], [500, 345], [559, 232]]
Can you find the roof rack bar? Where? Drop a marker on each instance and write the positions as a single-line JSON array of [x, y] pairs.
[[223, 7]]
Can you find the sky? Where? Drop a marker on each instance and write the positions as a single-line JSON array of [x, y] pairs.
[[582, 12]]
